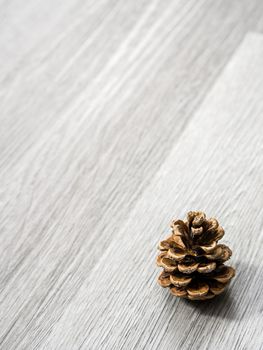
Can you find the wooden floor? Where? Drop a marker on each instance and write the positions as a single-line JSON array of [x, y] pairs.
[[116, 117]]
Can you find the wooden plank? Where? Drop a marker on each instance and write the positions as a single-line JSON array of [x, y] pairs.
[[49, 72], [84, 129], [82, 157], [46, 69], [217, 166]]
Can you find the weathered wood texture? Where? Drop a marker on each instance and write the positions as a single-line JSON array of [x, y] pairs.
[[101, 145], [217, 166]]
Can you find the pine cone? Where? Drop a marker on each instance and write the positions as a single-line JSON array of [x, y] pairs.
[[193, 262]]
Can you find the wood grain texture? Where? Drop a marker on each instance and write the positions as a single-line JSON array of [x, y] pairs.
[[94, 97], [216, 166]]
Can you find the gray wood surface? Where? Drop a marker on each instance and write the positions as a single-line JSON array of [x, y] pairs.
[[115, 118]]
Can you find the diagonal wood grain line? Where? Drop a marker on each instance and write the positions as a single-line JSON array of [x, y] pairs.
[[102, 310]]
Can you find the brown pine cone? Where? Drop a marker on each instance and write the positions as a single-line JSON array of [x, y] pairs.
[[192, 260]]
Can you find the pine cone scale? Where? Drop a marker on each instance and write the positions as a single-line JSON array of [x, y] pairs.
[[217, 287], [206, 267], [180, 280], [176, 254], [164, 279], [168, 264], [198, 289], [188, 267], [179, 292], [208, 248]]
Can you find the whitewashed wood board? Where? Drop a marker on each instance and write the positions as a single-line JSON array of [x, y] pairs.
[[217, 167], [94, 97]]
